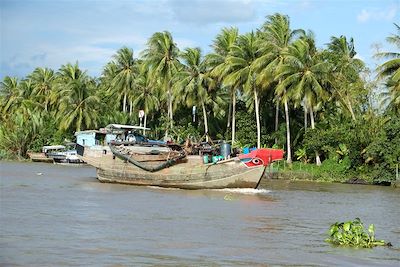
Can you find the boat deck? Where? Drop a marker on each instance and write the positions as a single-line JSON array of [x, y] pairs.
[[39, 157]]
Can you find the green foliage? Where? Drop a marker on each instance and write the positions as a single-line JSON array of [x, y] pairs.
[[329, 171], [301, 154], [383, 153], [353, 234], [246, 129], [181, 133], [342, 152], [18, 133], [6, 155], [390, 72], [370, 145]]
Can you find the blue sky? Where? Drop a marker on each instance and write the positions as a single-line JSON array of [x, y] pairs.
[[48, 33]]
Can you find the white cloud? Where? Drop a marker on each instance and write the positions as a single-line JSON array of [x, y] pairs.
[[363, 16], [387, 14]]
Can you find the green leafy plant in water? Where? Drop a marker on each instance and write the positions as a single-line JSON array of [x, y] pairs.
[[352, 233]]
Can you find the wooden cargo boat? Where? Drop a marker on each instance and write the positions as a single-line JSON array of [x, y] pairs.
[[168, 165]]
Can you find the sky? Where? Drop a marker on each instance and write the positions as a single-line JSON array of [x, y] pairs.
[[49, 33]]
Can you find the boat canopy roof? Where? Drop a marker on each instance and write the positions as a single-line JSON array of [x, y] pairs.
[[87, 131], [111, 127], [47, 148]]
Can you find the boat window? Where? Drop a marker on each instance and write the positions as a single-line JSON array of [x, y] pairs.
[[140, 139]]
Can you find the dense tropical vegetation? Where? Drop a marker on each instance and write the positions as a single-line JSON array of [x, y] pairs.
[[269, 87]]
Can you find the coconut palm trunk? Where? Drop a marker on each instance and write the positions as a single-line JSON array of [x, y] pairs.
[[171, 118], [228, 124], [256, 103], [205, 120], [289, 150], [124, 104], [317, 158], [348, 105], [305, 117], [351, 110], [145, 122], [276, 121], [233, 116]]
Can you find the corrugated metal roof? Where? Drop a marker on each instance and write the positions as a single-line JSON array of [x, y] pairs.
[[127, 127]]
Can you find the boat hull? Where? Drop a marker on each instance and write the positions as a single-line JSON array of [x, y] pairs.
[[189, 173], [243, 178]]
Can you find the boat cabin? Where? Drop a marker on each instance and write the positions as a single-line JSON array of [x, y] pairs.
[[113, 132], [127, 133], [53, 149], [94, 137]]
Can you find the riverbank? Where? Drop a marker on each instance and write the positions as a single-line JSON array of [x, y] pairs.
[[331, 172]]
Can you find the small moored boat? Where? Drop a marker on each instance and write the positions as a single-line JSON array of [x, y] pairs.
[[57, 154]]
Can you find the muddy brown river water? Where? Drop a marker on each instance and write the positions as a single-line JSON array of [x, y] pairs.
[[53, 215]]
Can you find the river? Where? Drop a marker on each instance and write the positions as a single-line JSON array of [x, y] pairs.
[[53, 215]]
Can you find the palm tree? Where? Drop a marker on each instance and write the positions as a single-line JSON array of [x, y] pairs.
[[9, 93], [390, 69], [110, 100], [16, 97], [27, 103], [78, 104], [240, 61], [162, 56], [145, 97], [303, 75], [345, 79], [43, 86], [125, 71], [222, 46], [19, 132], [64, 76], [278, 36], [70, 72], [20, 119], [193, 80]]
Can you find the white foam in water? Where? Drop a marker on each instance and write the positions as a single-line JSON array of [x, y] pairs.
[[163, 188], [246, 191]]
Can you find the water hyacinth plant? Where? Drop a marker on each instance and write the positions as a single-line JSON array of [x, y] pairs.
[[352, 233]]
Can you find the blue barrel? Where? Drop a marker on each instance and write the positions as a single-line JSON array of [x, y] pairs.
[[225, 150]]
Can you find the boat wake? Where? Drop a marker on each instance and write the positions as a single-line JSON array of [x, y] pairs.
[[245, 191]]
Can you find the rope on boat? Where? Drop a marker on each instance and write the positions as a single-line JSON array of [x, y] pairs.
[[166, 164]]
